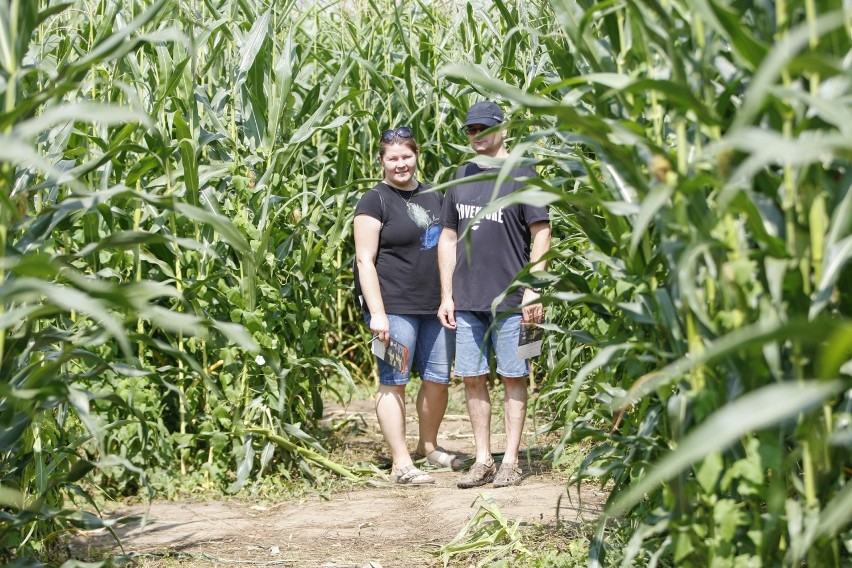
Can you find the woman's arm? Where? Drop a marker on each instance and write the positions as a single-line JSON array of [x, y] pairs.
[[367, 230]]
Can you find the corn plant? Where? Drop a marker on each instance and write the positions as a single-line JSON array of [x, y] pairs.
[[177, 188], [155, 318], [708, 146], [177, 180], [488, 533]]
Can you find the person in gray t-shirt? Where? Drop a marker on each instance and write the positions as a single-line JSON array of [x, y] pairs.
[[474, 272]]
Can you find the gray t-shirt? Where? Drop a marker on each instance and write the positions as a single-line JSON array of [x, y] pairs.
[[407, 259], [496, 248]]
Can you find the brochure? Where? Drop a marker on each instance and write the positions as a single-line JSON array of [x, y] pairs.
[[394, 354], [530, 340]]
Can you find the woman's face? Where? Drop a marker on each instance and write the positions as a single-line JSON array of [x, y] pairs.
[[399, 163]]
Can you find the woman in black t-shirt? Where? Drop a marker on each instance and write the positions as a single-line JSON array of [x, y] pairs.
[[396, 236]]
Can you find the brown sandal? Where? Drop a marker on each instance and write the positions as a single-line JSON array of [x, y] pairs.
[[508, 475]]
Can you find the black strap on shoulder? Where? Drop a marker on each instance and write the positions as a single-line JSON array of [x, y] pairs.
[[464, 171], [382, 201]]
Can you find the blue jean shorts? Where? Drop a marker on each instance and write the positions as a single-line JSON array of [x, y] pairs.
[[476, 339], [430, 349]]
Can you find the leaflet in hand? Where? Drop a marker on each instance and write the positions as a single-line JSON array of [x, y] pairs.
[[529, 340], [394, 354]]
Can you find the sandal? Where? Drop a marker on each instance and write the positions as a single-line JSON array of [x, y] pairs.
[[479, 474], [508, 475], [440, 457], [410, 475]]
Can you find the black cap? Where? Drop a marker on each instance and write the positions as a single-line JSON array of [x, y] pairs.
[[484, 112]]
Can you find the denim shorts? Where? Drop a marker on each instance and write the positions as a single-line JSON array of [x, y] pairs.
[[430, 348], [476, 340]]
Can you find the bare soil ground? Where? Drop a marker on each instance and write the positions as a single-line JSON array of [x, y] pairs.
[[376, 521]]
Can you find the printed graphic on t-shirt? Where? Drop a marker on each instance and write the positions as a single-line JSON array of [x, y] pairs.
[[431, 225], [466, 211]]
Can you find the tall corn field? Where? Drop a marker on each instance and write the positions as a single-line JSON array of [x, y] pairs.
[[177, 180]]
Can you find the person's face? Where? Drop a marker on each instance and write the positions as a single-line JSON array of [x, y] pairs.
[[399, 163], [486, 144]]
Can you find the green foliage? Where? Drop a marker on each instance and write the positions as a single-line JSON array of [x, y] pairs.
[[700, 152], [177, 181], [163, 308], [177, 188], [488, 532]]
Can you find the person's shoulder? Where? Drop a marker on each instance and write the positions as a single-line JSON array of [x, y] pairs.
[[426, 188], [377, 190], [467, 169], [371, 196], [525, 171]]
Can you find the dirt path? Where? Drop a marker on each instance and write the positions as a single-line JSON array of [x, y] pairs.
[[378, 521]]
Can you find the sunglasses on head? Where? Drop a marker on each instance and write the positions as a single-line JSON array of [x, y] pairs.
[[401, 132], [475, 129]]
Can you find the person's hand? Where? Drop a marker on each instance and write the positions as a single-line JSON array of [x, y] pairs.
[[380, 326], [533, 311], [447, 313]]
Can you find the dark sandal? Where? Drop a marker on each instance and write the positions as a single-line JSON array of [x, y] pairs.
[[508, 475], [479, 474], [410, 475]]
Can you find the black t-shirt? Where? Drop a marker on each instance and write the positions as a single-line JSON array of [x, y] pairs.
[[499, 244], [407, 259]]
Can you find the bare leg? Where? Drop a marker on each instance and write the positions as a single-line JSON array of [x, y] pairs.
[[431, 407], [479, 409], [390, 410], [515, 408]]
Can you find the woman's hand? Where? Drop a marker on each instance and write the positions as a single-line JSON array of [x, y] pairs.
[[380, 327]]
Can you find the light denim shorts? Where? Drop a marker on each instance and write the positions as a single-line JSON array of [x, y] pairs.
[[430, 348], [476, 339]]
